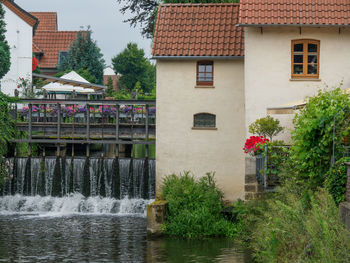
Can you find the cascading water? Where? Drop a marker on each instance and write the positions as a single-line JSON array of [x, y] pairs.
[[78, 185]]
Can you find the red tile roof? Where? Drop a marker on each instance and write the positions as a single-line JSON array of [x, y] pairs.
[[51, 43], [198, 30], [37, 49], [27, 17], [47, 20], [289, 12]]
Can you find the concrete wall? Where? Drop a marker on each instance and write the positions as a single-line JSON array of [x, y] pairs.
[[19, 35], [180, 148], [268, 67]]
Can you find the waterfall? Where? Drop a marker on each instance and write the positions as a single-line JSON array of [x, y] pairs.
[[78, 185], [71, 204], [92, 177]]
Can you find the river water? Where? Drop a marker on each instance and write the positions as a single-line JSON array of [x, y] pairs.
[[51, 232]]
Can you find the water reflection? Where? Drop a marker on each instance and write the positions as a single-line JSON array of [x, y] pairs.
[[28, 238], [204, 251]]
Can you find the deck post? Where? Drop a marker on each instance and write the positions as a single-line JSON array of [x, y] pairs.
[[87, 130], [117, 129], [147, 130], [30, 129], [58, 128]]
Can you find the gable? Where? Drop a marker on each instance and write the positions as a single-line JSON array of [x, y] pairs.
[[24, 15], [47, 20]]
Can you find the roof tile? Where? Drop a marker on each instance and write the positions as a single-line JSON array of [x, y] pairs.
[[51, 43], [198, 30], [288, 12], [47, 20]]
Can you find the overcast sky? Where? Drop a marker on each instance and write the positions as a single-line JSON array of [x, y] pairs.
[[106, 22]]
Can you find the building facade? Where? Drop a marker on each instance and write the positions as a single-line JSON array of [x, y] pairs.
[[20, 26], [220, 66]]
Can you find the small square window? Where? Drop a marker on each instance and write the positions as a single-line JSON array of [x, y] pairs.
[[205, 70]]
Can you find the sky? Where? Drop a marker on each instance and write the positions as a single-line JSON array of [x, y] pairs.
[[106, 21]]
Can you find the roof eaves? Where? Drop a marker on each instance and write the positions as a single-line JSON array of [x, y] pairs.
[[198, 57], [25, 13], [292, 25]]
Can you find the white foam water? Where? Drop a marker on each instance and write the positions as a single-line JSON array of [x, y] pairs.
[[74, 204]]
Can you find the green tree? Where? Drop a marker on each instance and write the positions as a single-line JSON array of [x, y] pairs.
[[84, 54], [145, 12], [109, 90], [134, 67], [267, 127], [4, 47]]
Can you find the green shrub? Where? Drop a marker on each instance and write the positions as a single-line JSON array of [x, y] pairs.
[[313, 135], [336, 180], [195, 207], [293, 225]]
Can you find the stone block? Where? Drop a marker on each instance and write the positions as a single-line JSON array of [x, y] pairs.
[[250, 179], [344, 209], [250, 188], [250, 165], [156, 213]]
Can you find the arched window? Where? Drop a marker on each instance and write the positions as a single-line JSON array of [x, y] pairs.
[[204, 120], [305, 58]]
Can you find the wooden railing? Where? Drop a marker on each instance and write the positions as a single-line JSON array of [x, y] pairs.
[[87, 122]]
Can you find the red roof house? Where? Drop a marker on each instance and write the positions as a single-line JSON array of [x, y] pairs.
[[50, 44]]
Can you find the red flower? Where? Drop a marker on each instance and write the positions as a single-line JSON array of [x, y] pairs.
[[253, 144], [35, 63]]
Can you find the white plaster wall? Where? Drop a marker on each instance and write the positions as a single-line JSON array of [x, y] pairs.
[[20, 37], [268, 68], [179, 148]]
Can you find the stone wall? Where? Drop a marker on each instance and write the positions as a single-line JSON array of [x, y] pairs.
[[252, 187]]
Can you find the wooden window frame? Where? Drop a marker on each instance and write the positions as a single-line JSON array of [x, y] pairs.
[[203, 127], [205, 83], [305, 63]]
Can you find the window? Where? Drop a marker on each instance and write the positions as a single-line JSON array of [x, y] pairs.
[[205, 71], [204, 120], [62, 55], [305, 58]]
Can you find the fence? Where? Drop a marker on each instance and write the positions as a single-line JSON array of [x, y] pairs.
[[268, 165]]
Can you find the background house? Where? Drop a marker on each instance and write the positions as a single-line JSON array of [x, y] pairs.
[[109, 73], [50, 44], [20, 26], [200, 93]]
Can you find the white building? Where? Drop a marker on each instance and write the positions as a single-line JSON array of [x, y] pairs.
[[221, 66], [20, 26]]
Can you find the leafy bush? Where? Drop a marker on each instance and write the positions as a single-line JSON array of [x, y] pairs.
[[291, 226], [336, 180], [266, 127], [313, 135], [195, 207]]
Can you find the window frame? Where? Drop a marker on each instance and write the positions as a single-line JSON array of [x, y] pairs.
[[203, 127], [305, 63], [205, 83]]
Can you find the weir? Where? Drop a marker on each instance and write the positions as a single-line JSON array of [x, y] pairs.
[[78, 184], [105, 177]]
